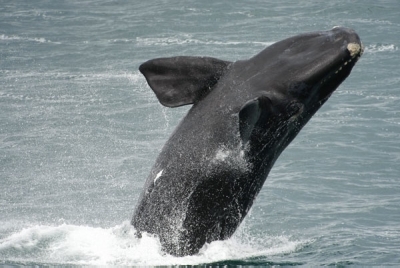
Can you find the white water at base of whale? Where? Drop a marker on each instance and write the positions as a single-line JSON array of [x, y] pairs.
[[85, 245]]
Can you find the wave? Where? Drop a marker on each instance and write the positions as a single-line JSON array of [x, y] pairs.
[[130, 76], [15, 37], [376, 48], [84, 245], [188, 39]]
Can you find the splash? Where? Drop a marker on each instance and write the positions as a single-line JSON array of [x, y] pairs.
[[231, 157], [84, 245]]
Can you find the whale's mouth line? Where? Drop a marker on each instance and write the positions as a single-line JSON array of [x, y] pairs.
[[329, 82], [355, 50]]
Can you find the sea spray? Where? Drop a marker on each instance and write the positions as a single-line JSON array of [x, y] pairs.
[[85, 245]]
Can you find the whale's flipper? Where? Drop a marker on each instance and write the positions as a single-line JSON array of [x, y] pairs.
[[254, 113], [183, 80]]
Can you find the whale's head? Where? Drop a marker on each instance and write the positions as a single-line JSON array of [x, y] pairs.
[[319, 63], [292, 79], [307, 68]]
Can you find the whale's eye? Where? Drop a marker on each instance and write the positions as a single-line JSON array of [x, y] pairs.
[[294, 109]]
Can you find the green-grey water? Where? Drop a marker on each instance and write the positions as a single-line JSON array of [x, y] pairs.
[[80, 130]]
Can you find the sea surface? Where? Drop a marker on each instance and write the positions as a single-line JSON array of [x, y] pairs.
[[80, 130]]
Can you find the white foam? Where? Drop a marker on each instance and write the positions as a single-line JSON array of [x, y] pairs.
[[14, 37], [84, 245], [188, 39], [380, 48], [133, 77]]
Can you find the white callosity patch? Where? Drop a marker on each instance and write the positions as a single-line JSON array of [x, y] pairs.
[[158, 176], [354, 49]]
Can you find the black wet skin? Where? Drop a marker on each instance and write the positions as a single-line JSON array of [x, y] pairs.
[[244, 115]]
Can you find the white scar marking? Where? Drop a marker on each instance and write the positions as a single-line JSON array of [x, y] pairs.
[[158, 175]]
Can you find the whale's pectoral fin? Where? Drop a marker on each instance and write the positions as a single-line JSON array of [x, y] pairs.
[[182, 80], [252, 114]]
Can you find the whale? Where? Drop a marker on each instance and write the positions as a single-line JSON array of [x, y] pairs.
[[244, 113]]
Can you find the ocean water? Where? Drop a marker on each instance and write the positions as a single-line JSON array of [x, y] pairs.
[[80, 130]]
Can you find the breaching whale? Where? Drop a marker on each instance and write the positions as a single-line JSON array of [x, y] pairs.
[[244, 115]]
